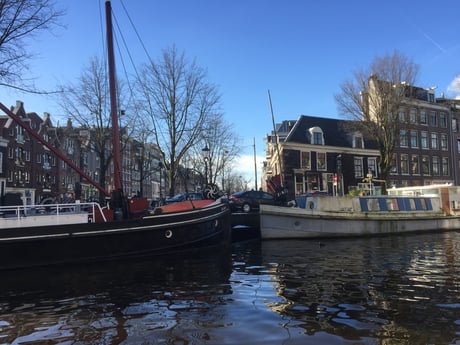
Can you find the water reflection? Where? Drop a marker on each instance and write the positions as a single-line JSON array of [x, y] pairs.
[[112, 303], [392, 290], [389, 290]]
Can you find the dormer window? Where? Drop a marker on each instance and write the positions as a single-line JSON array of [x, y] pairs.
[[358, 141], [316, 136]]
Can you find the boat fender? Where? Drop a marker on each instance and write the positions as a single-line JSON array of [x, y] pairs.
[[311, 205], [168, 234]]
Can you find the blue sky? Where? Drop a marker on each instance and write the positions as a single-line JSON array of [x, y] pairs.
[[300, 50]]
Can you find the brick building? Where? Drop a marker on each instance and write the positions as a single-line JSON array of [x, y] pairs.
[[315, 153]]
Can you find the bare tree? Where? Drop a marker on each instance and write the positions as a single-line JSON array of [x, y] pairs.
[[178, 101], [87, 102], [373, 99], [21, 20], [223, 144], [147, 153]]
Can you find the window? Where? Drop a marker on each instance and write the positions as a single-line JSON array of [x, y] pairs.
[[20, 155], [404, 164], [394, 167], [359, 167], [19, 134], [46, 162], [413, 139], [445, 166], [358, 142], [403, 139], [434, 141], [424, 140], [435, 165], [433, 119], [372, 166], [413, 115], [299, 183], [423, 120], [454, 125], [321, 161], [305, 162], [316, 136], [414, 165], [458, 145], [425, 165], [402, 116], [444, 145], [443, 120], [69, 145]]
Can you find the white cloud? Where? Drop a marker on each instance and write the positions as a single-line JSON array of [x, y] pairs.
[[454, 88]]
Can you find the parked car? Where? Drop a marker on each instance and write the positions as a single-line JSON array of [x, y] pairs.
[[249, 200], [184, 196]]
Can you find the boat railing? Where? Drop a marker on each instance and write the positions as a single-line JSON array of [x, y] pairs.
[[20, 211]]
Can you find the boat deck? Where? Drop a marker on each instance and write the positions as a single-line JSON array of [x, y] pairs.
[[49, 214]]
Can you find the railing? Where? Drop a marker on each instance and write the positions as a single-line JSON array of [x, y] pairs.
[[21, 211]]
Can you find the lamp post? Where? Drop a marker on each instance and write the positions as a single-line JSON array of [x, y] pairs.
[[206, 158], [160, 166], [223, 169], [339, 188]]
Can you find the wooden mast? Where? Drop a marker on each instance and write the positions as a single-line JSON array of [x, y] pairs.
[[113, 99], [277, 143]]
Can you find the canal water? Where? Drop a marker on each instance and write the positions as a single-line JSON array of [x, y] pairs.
[[387, 290]]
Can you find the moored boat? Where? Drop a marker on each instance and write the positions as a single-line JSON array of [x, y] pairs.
[[70, 233], [325, 216], [36, 235]]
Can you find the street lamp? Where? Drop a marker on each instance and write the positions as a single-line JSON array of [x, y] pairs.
[[339, 181], [206, 158], [223, 169], [160, 166]]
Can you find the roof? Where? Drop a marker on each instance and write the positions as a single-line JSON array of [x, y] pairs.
[[336, 132]]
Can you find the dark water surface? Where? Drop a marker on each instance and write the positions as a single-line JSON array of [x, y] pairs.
[[388, 290]]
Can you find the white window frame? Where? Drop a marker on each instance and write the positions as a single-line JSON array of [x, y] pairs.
[[319, 134], [358, 167]]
